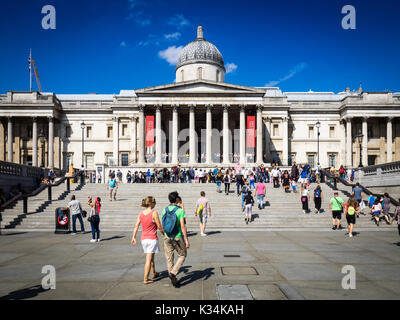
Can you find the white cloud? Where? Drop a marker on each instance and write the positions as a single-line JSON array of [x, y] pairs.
[[172, 36], [123, 44], [297, 68], [230, 67], [178, 21], [171, 54]]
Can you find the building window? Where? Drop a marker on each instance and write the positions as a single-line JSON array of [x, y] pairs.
[[291, 129], [311, 160], [332, 160], [310, 132], [331, 132], [88, 132], [109, 159], [89, 161], [124, 130], [68, 131], [182, 76], [200, 73], [29, 129], [217, 76], [124, 159], [109, 131], [276, 130]]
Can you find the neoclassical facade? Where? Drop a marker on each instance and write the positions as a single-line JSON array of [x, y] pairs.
[[199, 120]]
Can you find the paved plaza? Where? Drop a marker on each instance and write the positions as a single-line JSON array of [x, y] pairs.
[[224, 265]]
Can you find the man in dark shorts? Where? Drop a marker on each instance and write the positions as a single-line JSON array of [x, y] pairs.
[[336, 208]]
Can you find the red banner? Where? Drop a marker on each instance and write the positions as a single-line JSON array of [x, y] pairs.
[[251, 131], [149, 131]]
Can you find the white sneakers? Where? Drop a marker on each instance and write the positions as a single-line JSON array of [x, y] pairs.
[[98, 240], [93, 240], [350, 235], [203, 234]]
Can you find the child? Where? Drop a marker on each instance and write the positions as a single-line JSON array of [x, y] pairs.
[[376, 211], [397, 215], [294, 185], [371, 200]]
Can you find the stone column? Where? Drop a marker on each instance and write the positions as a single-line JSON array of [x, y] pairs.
[[10, 140], [349, 143], [259, 152], [134, 138], [267, 122], [141, 136], [285, 141], [365, 141], [158, 134], [34, 143], [342, 136], [209, 133], [192, 135], [51, 143], [174, 156], [116, 141], [242, 141], [389, 138], [225, 135]]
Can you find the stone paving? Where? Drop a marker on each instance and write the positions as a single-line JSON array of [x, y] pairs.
[[275, 265]]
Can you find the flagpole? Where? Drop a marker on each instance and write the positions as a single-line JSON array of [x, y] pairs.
[[30, 70]]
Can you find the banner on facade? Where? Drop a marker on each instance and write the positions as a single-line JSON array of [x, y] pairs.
[[251, 131], [149, 131]]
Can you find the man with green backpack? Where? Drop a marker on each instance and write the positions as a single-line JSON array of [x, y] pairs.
[[175, 236]]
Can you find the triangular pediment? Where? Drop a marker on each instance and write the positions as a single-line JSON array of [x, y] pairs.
[[200, 86]]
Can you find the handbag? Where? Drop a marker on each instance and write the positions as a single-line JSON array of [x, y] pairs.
[[84, 213]]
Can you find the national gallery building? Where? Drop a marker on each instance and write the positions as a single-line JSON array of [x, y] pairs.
[[199, 120]]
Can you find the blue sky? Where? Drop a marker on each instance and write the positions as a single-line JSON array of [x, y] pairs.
[[105, 46]]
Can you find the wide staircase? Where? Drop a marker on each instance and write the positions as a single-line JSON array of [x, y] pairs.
[[282, 211]]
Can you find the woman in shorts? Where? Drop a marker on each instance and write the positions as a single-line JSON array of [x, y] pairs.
[[150, 222], [350, 210], [304, 196], [376, 211]]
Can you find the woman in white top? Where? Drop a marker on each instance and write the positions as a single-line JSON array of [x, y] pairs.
[[305, 197]]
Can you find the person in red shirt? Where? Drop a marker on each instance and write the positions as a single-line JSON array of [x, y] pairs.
[[150, 222]]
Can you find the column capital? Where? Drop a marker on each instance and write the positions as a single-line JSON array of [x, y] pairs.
[[259, 107], [158, 106], [192, 106], [209, 107], [34, 118], [142, 107], [389, 118], [175, 107], [285, 118], [50, 118], [134, 118], [225, 107], [115, 118], [242, 107], [364, 118], [347, 118]]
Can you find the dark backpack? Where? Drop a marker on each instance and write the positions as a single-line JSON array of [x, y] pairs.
[[169, 222]]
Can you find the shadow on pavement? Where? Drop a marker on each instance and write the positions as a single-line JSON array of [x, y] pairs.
[[24, 293], [194, 275], [112, 238], [12, 234]]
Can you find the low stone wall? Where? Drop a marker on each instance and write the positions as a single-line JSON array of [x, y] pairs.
[[384, 175]]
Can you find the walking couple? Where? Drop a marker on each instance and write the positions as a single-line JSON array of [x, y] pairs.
[[173, 227]]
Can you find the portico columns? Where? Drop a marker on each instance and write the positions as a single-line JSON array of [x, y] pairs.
[[134, 139], [389, 140], [349, 143], [225, 135], [192, 135], [10, 140], [267, 121], [174, 156], [141, 137], [285, 142], [158, 134], [51, 142], [259, 153], [342, 135], [365, 141], [34, 143], [208, 133], [242, 139], [115, 141]]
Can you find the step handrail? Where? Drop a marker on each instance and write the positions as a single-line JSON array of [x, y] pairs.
[[365, 190], [38, 190]]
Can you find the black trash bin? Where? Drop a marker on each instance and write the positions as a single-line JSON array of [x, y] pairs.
[[63, 222]]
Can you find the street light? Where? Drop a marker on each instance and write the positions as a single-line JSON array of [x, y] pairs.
[[83, 126], [42, 138], [318, 125], [359, 138]]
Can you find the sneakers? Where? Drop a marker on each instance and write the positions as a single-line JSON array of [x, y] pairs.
[[334, 228], [203, 234], [72, 233], [340, 227], [93, 240], [350, 235], [98, 240], [173, 279]]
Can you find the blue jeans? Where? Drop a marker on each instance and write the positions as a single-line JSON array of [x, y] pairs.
[[95, 227], [218, 186], [243, 196], [260, 200], [79, 216], [252, 184]]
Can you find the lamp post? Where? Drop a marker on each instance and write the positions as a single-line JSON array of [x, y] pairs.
[[42, 138], [359, 138], [318, 125], [83, 126]]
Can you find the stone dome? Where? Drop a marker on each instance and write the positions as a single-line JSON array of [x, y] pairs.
[[200, 51]]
